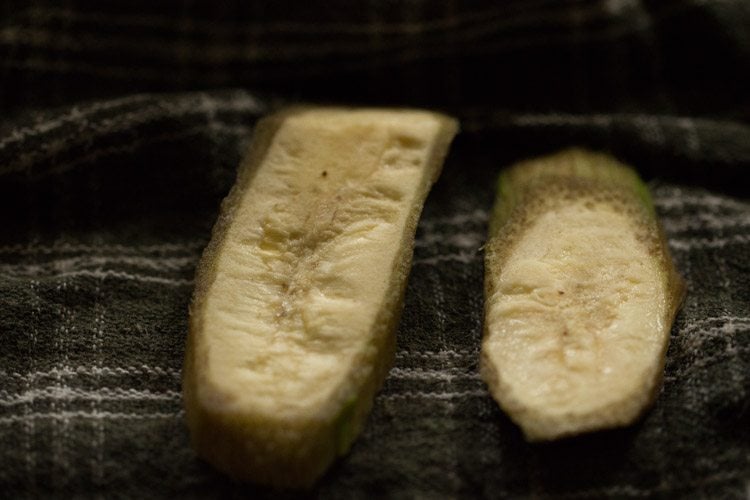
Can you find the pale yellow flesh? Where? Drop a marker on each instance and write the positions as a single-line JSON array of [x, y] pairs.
[[307, 282], [303, 273], [578, 323]]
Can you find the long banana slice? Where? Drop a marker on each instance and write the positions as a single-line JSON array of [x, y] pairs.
[[580, 295], [299, 292]]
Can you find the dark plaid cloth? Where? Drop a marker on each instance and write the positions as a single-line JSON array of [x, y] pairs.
[[121, 130]]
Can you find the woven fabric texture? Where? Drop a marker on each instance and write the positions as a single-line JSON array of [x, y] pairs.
[[122, 129]]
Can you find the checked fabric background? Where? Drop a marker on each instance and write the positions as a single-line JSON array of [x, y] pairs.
[[121, 127]]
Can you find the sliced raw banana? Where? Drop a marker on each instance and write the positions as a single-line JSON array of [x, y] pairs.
[[580, 295], [299, 292]]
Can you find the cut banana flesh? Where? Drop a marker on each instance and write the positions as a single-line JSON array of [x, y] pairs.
[[299, 292], [580, 296]]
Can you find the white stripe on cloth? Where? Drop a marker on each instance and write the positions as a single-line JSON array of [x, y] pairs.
[[445, 374], [473, 217], [95, 415], [218, 27], [72, 247], [132, 146], [725, 331], [74, 116], [688, 244], [471, 240], [157, 263], [118, 275], [479, 118], [62, 393], [705, 221], [434, 396], [441, 354], [698, 364], [462, 258], [679, 199], [94, 371], [189, 105]]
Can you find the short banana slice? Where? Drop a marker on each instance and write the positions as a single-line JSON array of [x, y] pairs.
[[299, 292], [580, 295]]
